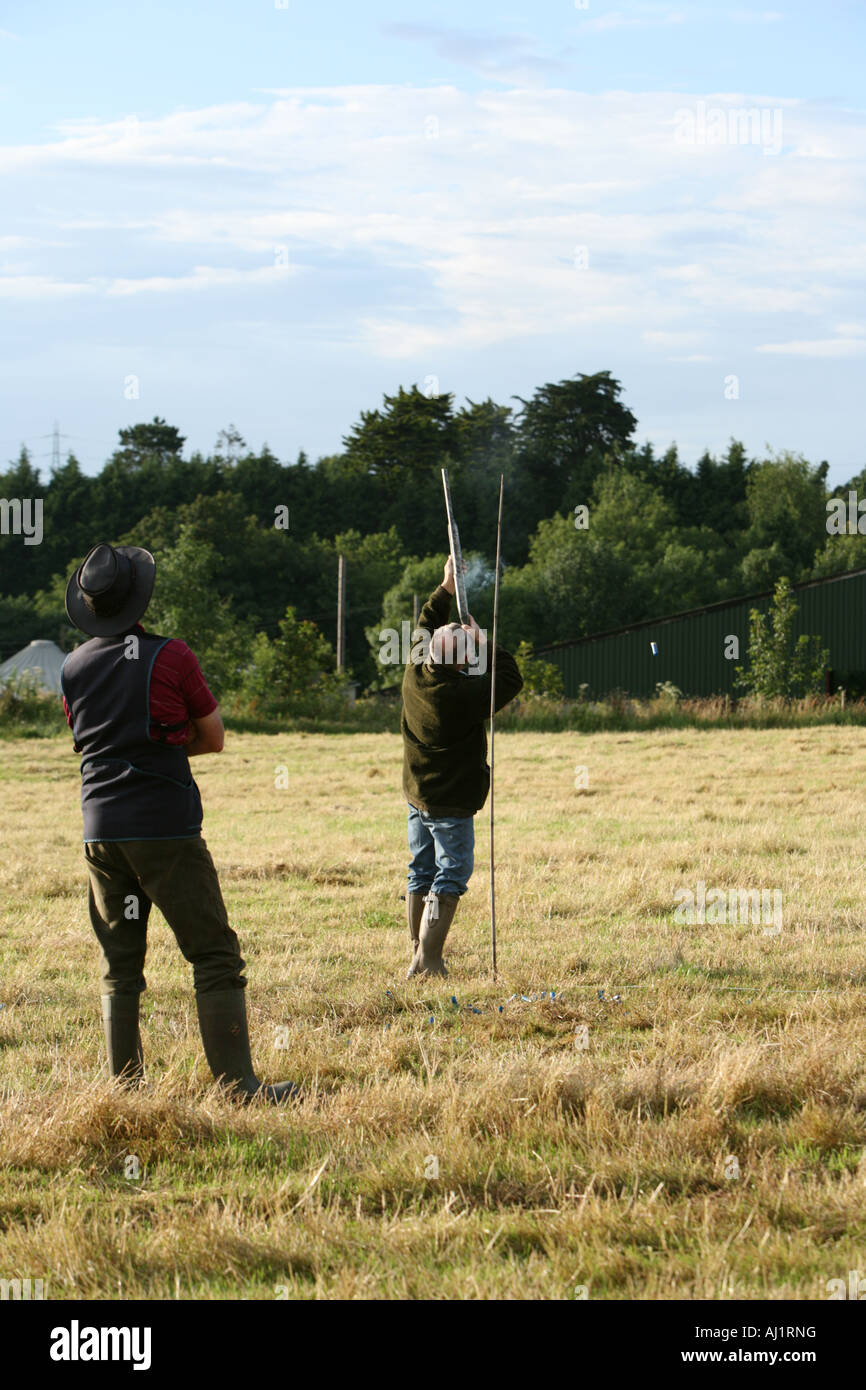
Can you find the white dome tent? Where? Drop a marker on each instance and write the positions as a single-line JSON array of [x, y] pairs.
[[41, 660]]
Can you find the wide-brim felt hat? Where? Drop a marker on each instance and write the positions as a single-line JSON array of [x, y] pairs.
[[111, 589]]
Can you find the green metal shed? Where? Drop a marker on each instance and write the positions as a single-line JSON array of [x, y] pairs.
[[692, 645]]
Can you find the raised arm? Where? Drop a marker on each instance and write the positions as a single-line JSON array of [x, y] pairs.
[[437, 610]]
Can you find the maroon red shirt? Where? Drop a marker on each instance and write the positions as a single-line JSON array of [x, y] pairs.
[[178, 690]]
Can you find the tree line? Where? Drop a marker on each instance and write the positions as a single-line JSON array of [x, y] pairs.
[[599, 531]]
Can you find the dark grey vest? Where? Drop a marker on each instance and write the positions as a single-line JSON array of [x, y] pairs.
[[133, 787]]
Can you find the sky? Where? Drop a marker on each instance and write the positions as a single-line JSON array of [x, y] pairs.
[[269, 214]]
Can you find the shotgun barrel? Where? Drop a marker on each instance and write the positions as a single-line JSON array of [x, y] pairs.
[[456, 554]]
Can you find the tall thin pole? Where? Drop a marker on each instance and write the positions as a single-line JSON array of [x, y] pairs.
[[414, 611], [493, 725], [341, 613]]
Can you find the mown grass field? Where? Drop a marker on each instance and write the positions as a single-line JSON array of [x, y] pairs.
[[584, 1144]]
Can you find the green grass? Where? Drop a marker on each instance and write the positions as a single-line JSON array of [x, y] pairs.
[[559, 1165], [35, 716]]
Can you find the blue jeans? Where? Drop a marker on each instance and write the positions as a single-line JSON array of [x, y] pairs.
[[442, 851]]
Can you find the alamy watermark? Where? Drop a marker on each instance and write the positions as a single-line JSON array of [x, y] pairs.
[[846, 518], [22, 516], [855, 1288], [21, 1290], [77, 1343], [730, 125], [732, 906], [412, 646]]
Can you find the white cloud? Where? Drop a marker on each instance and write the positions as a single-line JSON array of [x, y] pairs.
[[40, 287], [660, 339], [468, 238], [818, 347], [398, 339], [649, 16], [622, 19], [753, 16], [202, 277]]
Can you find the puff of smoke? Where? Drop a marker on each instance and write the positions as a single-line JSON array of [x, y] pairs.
[[479, 575]]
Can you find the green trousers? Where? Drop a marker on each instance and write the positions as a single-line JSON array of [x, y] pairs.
[[127, 877]]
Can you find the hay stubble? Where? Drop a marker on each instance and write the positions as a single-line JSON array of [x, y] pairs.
[[559, 1165]]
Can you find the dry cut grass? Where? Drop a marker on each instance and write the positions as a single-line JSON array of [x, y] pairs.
[[684, 1119]]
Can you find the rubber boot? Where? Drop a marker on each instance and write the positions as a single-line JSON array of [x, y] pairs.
[[222, 1018], [122, 1038], [435, 925], [414, 913]]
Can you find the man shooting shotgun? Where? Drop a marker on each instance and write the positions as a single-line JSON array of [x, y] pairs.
[[139, 709], [445, 774]]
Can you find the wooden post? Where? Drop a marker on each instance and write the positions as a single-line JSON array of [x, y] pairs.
[[414, 611], [341, 613]]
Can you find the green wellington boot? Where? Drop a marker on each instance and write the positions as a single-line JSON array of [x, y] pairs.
[[122, 1038], [435, 925], [414, 913], [222, 1018]]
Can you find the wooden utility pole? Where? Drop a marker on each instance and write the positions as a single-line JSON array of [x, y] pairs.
[[341, 613]]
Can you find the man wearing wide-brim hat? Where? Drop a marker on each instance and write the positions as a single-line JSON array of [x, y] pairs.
[[139, 709]]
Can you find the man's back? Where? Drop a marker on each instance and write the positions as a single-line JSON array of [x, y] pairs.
[[445, 768], [134, 785]]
